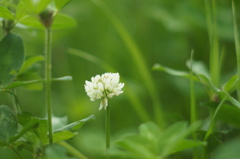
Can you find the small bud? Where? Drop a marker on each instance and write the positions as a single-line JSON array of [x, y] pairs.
[[47, 17]]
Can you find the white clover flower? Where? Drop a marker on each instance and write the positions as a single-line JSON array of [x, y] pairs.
[[103, 87]]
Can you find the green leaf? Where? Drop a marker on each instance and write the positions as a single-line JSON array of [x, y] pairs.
[[33, 123], [231, 84], [227, 150], [23, 83], [30, 62], [37, 6], [62, 21], [9, 124], [75, 126], [55, 151], [62, 135], [186, 144], [11, 58], [227, 113], [5, 13], [61, 3], [32, 22], [170, 71]]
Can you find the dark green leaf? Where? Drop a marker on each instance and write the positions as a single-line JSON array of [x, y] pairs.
[[5, 13], [9, 124], [61, 3], [75, 125], [33, 123], [11, 58]]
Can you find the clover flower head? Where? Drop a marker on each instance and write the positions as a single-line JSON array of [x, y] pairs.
[[103, 87]]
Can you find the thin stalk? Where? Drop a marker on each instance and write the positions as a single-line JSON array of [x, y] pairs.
[[48, 74], [193, 103], [237, 45], [72, 150], [212, 124], [108, 128]]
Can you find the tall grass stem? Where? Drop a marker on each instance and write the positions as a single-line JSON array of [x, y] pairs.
[[108, 128], [237, 45]]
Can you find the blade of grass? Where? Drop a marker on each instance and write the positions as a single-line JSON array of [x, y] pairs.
[[138, 59], [237, 45], [136, 103]]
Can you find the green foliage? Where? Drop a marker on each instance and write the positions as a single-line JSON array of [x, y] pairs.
[[5, 13], [11, 58], [152, 142], [9, 124]]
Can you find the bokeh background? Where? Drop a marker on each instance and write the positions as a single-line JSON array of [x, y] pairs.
[[165, 31]]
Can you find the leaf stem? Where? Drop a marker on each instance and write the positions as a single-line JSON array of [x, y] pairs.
[[17, 153], [72, 150], [48, 74]]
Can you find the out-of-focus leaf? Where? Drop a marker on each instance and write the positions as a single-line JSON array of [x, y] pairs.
[[55, 151], [9, 124], [170, 71], [32, 22], [33, 123], [75, 125], [231, 84], [186, 144], [62, 21], [23, 83], [155, 143], [11, 58], [61, 3], [198, 67], [227, 113], [227, 150], [29, 63], [62, 135], [37, 6], [5, 13]]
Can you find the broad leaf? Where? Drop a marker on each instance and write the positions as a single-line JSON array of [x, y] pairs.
[[37, 6], [61, 3], [9, 124], [5, 13], [11, 58], [62, 21]]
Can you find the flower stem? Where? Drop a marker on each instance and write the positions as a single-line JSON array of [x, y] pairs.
[[108, 128], [48, 72], [72, 150]]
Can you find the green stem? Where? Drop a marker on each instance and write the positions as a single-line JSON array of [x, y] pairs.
[[193, 105], [211, 126], [237, 45], [48, 74], [108, 128], [72, 150]]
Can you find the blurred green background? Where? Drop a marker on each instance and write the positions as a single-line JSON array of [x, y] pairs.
[[164, 30]]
